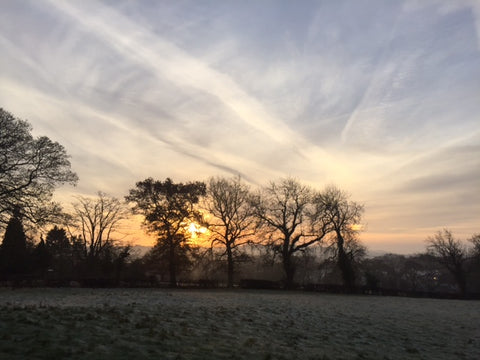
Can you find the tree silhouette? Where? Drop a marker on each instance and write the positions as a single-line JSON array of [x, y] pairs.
[[61, 249], [474, 263], [475, 251], [285, 207], [97, 220], [452, 254], [95, 224], [231, 219], [14, 254], [57, 243], [30, 169], [168, 209], [342, 215], [41, 259]]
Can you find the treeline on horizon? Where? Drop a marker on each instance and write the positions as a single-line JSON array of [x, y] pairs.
[[283, 235]]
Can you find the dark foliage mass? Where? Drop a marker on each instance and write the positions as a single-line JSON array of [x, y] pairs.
[[13, 252], [168, 209]]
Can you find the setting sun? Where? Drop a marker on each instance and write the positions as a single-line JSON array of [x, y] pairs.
[[357, 227], [196, 231]]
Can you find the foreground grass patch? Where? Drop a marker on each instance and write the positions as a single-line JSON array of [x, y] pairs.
[[153, 324]]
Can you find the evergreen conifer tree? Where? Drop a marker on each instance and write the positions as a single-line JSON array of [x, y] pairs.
[[41, 258], [14, 255]]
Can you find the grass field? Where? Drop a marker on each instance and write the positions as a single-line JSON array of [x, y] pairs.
[[204, 324]]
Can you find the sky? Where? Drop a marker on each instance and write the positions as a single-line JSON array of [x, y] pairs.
[[380, 98]]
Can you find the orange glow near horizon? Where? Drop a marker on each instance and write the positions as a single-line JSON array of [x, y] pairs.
[[395, 241]]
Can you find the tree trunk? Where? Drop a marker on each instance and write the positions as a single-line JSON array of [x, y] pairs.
[[289, 271], [345, 265], [461, 281], [229, 267], [172, 264]]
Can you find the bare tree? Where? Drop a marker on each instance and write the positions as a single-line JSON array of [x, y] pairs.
[[343, 217], [475, 251], [30, 169], [474, 263], [97, 220], [452, 254], [286, 210], [231, 219]]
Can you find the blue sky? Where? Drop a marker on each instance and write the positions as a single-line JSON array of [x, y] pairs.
[[381, 98]]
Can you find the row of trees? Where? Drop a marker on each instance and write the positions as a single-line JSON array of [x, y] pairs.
[[232, 243], [286, 217], [448, 266], [59, 258], [284, 222]]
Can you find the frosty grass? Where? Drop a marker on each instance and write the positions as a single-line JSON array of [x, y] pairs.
[[196, 324]]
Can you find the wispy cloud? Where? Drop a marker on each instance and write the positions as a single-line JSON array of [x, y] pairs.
[[169, 61], [379, 98]]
